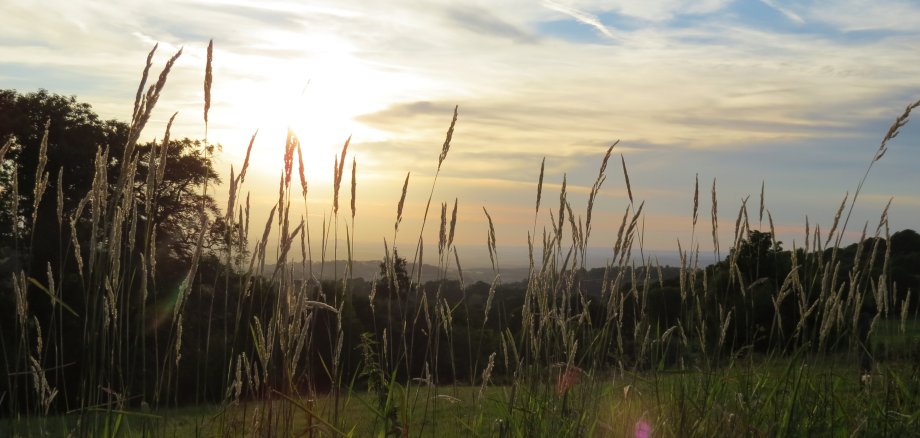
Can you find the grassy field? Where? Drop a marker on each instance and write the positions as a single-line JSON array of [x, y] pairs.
[[755, 397], [809, 341]]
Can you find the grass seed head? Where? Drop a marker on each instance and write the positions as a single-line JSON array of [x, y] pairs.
[[450, 133], [207, 81], [402, 201]]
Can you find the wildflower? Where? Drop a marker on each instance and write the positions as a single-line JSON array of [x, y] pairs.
[[643, 429], [568, 378]]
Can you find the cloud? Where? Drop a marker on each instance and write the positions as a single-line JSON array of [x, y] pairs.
[[792, 16], [482, 20], [583, 17], [652, 11], [867, 15]]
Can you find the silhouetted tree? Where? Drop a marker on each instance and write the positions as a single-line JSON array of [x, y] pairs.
[[75, 135], [757, 256], [392, 284]]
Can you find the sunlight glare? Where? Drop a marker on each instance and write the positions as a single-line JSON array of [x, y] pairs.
[[320, 106]]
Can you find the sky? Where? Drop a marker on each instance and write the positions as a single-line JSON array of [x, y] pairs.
[[792, 95]]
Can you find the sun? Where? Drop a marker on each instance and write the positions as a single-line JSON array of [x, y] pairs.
[[323, 118], [320, 101]]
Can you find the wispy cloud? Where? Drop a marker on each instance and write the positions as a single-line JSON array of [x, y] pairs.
[[867, 15], [792, 16], [583, 17]]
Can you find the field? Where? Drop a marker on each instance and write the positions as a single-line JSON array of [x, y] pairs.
[[104, 335], [760, 398]]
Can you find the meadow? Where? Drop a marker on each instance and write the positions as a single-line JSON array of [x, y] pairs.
[[104, 335]]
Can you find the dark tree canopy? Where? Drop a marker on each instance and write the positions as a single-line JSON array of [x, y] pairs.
[[757, 255], [75, 135], [179, 198], [391, 284]]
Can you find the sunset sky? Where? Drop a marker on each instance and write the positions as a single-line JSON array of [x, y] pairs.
[[796, 94]]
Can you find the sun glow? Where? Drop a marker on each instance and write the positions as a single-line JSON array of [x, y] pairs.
[[319, 101], [324, 117]]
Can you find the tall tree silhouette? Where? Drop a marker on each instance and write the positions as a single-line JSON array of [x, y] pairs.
[[75, 135], [392, 284]]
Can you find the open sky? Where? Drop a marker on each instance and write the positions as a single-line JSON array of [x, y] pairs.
[[795, 94]]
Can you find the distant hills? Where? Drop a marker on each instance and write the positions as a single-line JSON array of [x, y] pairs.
[[368, 269]]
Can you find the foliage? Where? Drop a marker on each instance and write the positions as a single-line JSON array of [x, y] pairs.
[[66, 138], [394, 277]]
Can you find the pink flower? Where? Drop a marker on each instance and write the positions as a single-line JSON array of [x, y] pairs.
[[643, 429]]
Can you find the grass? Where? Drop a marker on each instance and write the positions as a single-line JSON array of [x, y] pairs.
[[275, 356], [779, 397], [896, 342], [176, 422], [453, 413]]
